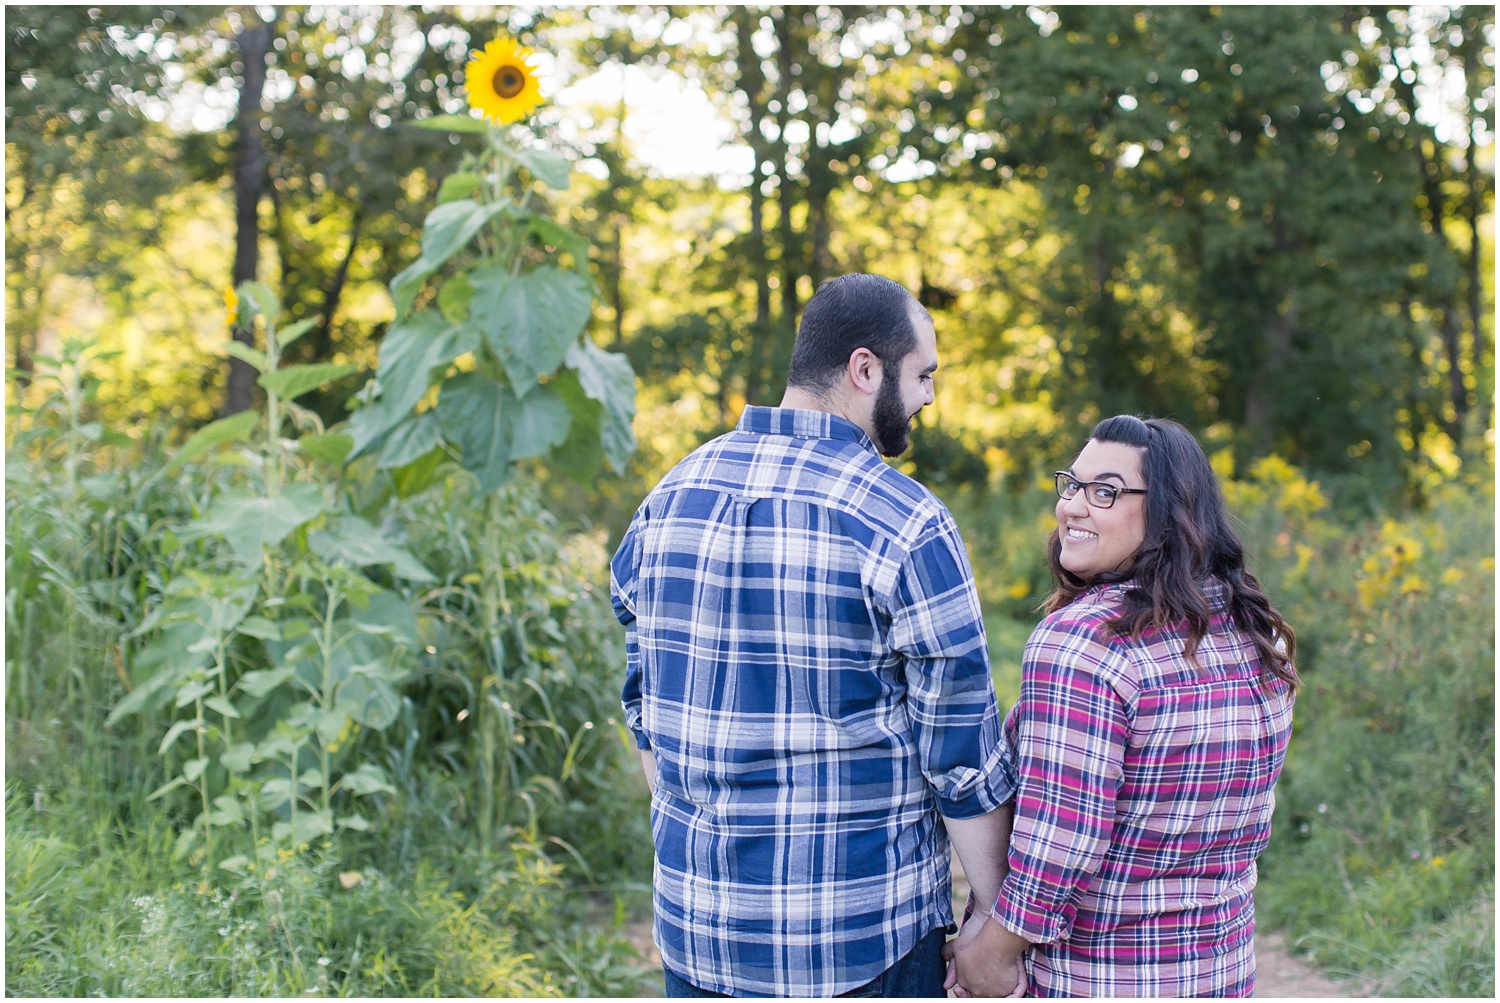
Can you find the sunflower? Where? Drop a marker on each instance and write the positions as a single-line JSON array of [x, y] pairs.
[[502, 82], [231, 307]]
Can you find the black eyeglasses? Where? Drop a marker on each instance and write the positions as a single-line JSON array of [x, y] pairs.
[[1100, 494]]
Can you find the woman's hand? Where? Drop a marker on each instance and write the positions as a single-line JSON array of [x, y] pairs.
[[985, 959]]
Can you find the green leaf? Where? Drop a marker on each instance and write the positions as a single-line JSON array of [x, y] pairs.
[[549, 167], [355, 822], [370, 701], [538, 424], [154, 688], [286, 335], [451, 123], [259, 626], [394, 615], [581, 456], [330, 724], [453, 299], [369, 428], [236, 864], [170, 785], [261, 300], [449, 227], [237, 758], [191, 692], [355, 542], [193, 768], [309, 826], [410, 440], [409, 353], [185, 841], [471, 411], [222, 706], [530, 320], [173, 733], [555, 235], [368, 779], [404, 286], [226, 811], [417, 475], [243, 352], [607, 378], [235, 428], [251, 524], [291, 382], [458, 186], [331, 448], [263, 681]]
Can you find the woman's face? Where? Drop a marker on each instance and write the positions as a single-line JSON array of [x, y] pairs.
[[1099, 540]]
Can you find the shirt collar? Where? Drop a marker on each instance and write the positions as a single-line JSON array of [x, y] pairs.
[[802, 423]]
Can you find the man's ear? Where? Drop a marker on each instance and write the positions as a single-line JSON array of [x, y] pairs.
[[865, 370]]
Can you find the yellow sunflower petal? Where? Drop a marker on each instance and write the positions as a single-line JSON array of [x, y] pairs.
[[502, 83]]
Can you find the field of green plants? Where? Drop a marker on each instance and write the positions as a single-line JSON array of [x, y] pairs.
[[262, 744], [273, 746]]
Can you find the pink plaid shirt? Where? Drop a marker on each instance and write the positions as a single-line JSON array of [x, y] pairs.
[[1145, 797]]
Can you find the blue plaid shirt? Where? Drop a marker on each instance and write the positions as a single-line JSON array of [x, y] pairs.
[[806, 660]]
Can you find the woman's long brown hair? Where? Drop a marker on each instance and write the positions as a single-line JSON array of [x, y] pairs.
[[1188, 540]]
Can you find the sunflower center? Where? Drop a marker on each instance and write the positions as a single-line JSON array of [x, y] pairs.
[[508, 81]]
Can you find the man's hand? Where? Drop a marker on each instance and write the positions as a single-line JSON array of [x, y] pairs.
[[985, 959]]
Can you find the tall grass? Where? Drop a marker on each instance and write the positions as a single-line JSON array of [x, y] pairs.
[[99, 901]]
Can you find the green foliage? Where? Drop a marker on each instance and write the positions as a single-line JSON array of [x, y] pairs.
[[505, 325], [1387, 803], [226, 695], [106, 914]]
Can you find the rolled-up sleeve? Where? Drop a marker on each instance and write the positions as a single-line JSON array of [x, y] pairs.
[[1069, 730], [937, 627], [624, 572]]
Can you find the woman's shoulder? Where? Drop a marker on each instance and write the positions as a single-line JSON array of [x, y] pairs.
[[1087, 621], [1091, 610]]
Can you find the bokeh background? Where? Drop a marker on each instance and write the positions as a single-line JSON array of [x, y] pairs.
[[1274, 224]]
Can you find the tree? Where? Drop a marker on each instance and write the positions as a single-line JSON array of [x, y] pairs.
[[83, 155]]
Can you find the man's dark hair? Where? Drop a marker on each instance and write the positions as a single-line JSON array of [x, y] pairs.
[[847, 313]]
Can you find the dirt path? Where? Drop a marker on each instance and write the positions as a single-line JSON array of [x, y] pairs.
[[1278, 973]]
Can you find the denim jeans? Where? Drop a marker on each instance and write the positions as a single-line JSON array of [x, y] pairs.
[[919, 975]]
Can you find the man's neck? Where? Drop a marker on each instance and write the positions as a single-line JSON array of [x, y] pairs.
[[833, 403]]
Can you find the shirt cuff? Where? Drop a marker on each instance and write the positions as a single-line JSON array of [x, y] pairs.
[[968, 793], [1035, 922], [633, 722]]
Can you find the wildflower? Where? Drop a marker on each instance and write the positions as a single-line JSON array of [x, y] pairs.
[[324, 961], [501, 81], [231, 307]]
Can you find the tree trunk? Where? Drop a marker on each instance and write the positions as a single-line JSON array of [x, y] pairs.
[[786, 196], [752, 84], [249, 175], [323, 346]]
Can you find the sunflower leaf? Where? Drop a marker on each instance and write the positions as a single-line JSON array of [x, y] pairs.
[[530, 320], [451, 123], [547, 166]]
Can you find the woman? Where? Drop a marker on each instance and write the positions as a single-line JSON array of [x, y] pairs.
[[1155, 707]]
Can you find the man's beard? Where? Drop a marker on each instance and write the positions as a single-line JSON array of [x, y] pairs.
[[892, 423]]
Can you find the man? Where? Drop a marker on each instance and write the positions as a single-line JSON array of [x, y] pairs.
[[808, 680]]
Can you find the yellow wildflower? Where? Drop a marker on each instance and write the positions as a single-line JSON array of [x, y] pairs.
[[231, 307]]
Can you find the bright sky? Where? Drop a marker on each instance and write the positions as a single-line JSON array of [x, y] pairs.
[[671, 127]]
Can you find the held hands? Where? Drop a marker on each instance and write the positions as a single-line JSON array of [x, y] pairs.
[[982, 960]]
